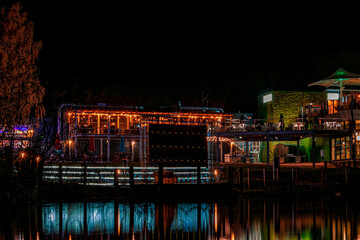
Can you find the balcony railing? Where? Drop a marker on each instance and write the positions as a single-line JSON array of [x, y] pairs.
[[104, 175], [105, 131], [285, 125]]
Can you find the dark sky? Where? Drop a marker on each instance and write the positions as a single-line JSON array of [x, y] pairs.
[[157, 55]]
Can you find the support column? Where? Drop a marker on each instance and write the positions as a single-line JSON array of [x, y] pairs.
[[101, 149], [217, 150], [267, 150], [108, 140], [132, 150], [313, 156], [353, 147], [117, 124], [145, 146], [247, 150], [298, 147], [140, 145], [76, 126], [98, 124], [221, 152], [231, 150]]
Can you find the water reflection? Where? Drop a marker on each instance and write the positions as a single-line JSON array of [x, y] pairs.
[[112, 219], [244, 218]]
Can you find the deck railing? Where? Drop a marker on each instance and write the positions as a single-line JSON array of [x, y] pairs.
[[123, 176], [282, 125]]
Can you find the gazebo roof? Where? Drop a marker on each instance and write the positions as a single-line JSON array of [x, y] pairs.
[[340, 76]]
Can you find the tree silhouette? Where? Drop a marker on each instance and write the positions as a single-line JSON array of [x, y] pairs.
[[21, 96], [21, 93]]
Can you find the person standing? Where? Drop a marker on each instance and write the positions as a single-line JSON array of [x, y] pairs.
[[281, 122]]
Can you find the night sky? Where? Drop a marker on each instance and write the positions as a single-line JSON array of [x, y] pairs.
[[158, 54]]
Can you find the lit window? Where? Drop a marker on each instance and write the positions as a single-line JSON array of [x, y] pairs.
[[267, 98], [333, 96]]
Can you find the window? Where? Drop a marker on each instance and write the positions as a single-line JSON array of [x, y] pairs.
[[267, 98], [340, 148]]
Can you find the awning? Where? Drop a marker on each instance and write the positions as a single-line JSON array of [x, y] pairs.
[[338, 79]]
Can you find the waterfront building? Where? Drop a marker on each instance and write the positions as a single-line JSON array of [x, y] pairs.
[[343, 103], [291, 126], [335, 108], [300, 110], [301, 126], [17, 137], [169, 136]]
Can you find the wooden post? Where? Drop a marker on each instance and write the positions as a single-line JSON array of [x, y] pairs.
[[108, 141], [296, 174], [60, 174], [248, 178], [98, 124], [267, 149], [298, 147], [85, 176], [313, 155], [198, 175], [230, 173], [347, 173], [322, 176], [292, 175], [277, 174], [75, 131], [101, 149], [161, 176], [116, 178], [217, 150], [221, 152], [131, 176], [264, 177], [241, 173]]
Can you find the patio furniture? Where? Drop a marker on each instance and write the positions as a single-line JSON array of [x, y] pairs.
[[298, 126]]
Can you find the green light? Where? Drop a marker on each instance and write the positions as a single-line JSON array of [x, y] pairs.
[[341, 73]]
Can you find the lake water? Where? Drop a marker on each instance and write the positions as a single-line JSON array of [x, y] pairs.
[[243, 218]]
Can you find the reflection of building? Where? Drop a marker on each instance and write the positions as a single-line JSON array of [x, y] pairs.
[[246, 218], [126, 131], [146, 220]]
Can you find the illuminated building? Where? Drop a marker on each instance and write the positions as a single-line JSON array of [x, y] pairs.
[[291, 126], [327, 114], [131, 133], [18, 137]]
